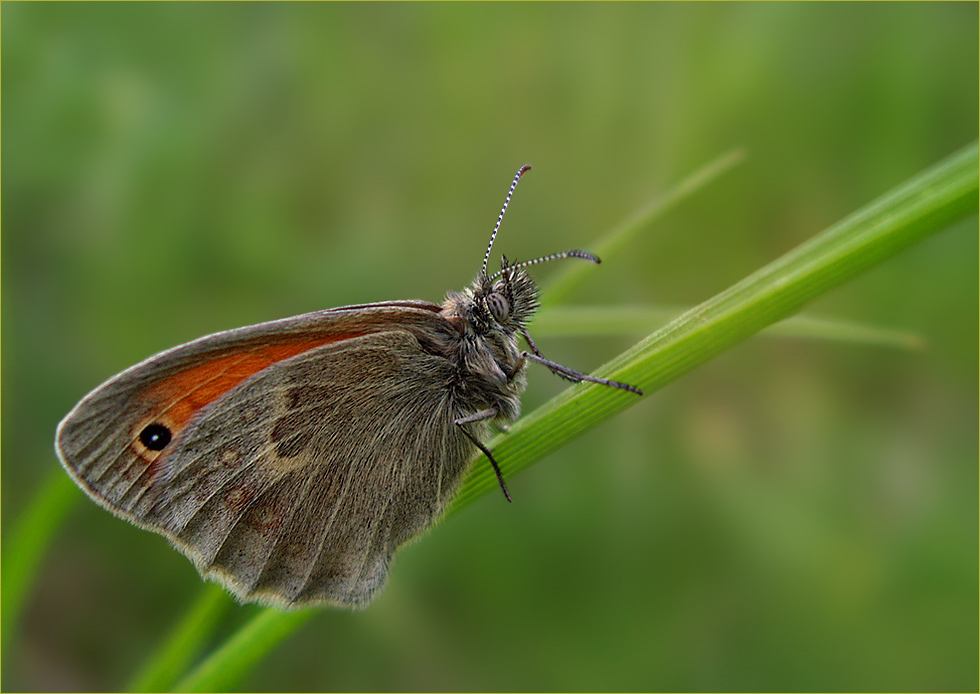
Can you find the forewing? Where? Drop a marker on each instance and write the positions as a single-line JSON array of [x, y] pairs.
[[98, 442]]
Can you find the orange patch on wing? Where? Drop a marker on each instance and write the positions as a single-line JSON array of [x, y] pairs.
[[188, 391]]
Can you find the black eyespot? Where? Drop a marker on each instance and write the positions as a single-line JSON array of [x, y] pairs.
[[499, 306], [155, 437]]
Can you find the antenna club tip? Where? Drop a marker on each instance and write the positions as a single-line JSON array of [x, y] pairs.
[[585, 255], [524, 169]]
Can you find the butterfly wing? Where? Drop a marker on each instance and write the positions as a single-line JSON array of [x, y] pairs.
[[302, 453]]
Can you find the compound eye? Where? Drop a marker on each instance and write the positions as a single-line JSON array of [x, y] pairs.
[[499, 306]]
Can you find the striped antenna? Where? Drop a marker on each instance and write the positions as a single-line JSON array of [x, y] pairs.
[[521, 172], [584, 255]]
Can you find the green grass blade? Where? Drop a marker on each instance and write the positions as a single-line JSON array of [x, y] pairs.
[[924, 205], [184, 642], [224, 667], [593, 321], [908, 213], [812, 327], [612, 242], [25, 546]]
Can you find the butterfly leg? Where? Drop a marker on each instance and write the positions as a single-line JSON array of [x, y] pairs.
[[488, 413], [530, 342], [567, 373]]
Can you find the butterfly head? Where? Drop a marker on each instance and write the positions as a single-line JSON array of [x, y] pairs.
[[504, 301]]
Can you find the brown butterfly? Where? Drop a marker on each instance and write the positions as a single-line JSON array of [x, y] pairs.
[[290, 460]]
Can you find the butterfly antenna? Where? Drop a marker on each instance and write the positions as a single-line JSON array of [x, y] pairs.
[[584, 255], [524, 169]]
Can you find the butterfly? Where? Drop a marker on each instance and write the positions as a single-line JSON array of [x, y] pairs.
[[290, 460]]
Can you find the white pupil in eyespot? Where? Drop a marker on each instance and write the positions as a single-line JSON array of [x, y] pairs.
[[498, 306]]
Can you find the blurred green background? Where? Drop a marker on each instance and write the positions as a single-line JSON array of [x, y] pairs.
[[796, 515]]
